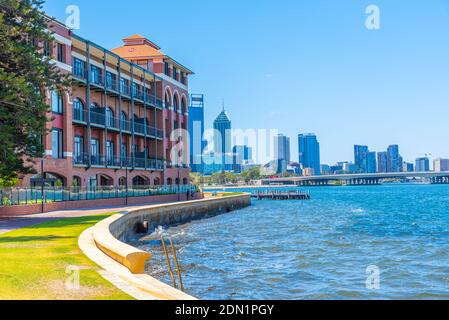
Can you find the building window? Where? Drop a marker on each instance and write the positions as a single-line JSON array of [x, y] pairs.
[[110, 80], [60, 56], [56, 144], [166, 69], [124, 151], [57, 105], [110, 152], [79, 68], [110, 118], [95, 74], [47, 48], [78, 149], [176, 103], [124, 86], [183, 78], [78, 110], [183, 106], [175, 73], [124, 122], [95, 151]]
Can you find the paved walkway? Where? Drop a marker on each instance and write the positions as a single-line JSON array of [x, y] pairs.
[[10, 224]]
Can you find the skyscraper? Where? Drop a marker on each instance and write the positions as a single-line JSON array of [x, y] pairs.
[[371, 162], [222, 139], [382, 162], [441, 165], [196, 132], [394, 163], [360, 158], [309, 152], [364, 160], [422, 165], [282, 150], [242, 155]]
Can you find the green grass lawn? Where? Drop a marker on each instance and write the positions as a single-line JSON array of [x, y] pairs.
[[34, 262]]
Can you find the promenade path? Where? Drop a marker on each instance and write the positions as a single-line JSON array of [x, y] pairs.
[[14, 223]]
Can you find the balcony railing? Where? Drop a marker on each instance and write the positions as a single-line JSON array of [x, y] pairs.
[[98, 160], [81, 159], [97, 79], [125, 125], [28, 196], [138, 161], [125, 89], [112, 84], [97, 118], [79, 115], [79, 71]]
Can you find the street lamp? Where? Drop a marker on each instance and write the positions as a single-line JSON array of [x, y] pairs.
[[126, 182], [42, 184]]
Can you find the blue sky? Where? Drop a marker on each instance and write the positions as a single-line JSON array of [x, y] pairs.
[[302, 66]]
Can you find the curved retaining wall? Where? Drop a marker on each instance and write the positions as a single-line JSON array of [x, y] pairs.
[[111, 234]]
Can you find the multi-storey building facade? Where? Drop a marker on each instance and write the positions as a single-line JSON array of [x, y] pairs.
[[115, 124], [309, 152], [196, 132], [422, 164], [441, 165]]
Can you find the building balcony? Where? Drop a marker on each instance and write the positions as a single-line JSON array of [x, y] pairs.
[[138, 162]]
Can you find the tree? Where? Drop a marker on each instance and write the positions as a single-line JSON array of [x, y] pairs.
[[251, 174], [25, 77]]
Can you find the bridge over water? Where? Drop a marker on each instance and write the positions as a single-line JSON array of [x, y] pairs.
[[360, 179]]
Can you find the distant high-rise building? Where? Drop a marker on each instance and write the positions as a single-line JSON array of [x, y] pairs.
[[441, 165], [349, 168], [422, 165], [196, 132], [325, 169], [371, 162], [309, 152], [382, 162], [222, 139], [242, 156], [408, 167], [282, 149], [364, 160], [394, 163], [360, 158]]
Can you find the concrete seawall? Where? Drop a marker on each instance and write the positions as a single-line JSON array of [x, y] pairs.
[[176, 213], [105, 242]]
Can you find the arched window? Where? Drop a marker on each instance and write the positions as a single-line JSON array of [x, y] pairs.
[[169, 181], [167, 99], [124, 122], [176, 103], [185, 181], [177, 181], [110, 118], [183, 106], [78, 110], [57, 104]]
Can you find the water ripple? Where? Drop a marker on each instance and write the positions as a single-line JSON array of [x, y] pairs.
[[318, 249]]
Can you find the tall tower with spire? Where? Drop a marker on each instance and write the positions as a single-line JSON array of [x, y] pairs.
[[222, 138]]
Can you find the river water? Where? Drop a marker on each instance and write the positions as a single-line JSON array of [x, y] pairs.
[[375, 242]]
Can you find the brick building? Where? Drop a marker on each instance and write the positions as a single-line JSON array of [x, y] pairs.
[[118, 122]]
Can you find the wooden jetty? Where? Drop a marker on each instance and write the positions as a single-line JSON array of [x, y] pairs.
[[281, 195]]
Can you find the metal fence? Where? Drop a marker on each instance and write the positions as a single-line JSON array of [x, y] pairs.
[[27, 196]]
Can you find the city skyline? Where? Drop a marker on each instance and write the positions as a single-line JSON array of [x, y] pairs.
[[333, 72], [364, 159]]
